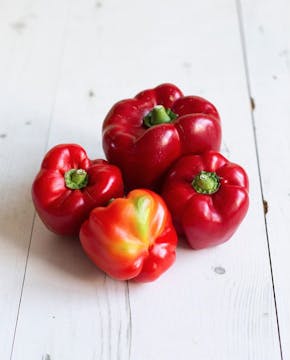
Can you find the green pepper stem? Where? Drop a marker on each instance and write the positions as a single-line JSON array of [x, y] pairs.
[[159, 115], [76, 179], [206, 182]]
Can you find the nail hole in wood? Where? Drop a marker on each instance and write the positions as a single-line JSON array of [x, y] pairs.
[[253, 105], [265, 206], [219, 270]]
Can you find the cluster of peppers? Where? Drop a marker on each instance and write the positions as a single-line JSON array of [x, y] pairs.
[[163, 176]]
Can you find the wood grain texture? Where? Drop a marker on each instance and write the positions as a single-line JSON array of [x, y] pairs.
[[29, 73], [63, 65], [69, 309], [266, 29]]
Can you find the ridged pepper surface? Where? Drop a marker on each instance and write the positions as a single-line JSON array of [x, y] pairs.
[[146, 134], [132, 237], [208, 198], [69, 185]]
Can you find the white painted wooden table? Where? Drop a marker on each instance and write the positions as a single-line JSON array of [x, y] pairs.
[[63, 63]]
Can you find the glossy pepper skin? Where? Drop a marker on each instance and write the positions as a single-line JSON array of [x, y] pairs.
[[131, 238], [208, 198], [69, 185], [146, 134]]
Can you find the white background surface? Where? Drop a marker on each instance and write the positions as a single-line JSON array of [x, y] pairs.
[[63, 64]]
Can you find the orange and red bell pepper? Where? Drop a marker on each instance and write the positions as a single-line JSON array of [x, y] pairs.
[[146, 134], [132, 237], [69, 185], [208, 198]]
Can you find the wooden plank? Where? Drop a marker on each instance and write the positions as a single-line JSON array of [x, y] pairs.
[[214, 304], [70, 310], [28, 73], [266, 29], [192, 304]]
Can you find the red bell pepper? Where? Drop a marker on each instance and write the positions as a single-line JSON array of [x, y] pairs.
[[131, 238], [146, 134], [208, 198], [69, 185]]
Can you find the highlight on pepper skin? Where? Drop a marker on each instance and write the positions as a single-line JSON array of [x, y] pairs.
[[69, 185], [145, 135], [208, 198], [132, 237]]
